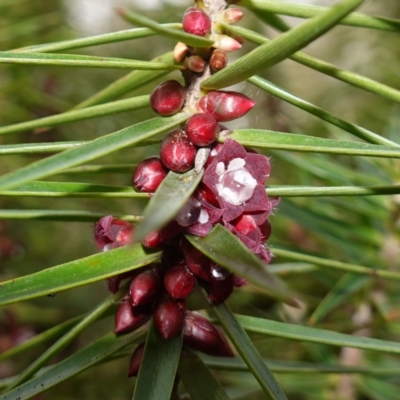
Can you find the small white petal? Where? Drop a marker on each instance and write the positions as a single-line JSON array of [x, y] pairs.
[[220, 168], [236, 163]]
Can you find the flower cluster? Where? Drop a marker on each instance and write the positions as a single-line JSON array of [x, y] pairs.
[[231, 193]]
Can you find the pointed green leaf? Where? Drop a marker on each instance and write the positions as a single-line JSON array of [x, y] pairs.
[[314, 335], [38, 148], [310, 11], [269, 54], [116, 107], [227, 250], [101, 169], [127, 83], [72, 60], [60, 344], [248, 352], [91, 355], [174, 191], [76, 273], [326, 68], [290, 141], [91, 150], [112, 37], [63, 215], [158, 367], [198, 379], [320, 113], [342, 291], [323, 262], [187, 38]]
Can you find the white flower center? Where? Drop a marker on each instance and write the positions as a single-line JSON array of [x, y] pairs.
[[204, 217], [235, 185]]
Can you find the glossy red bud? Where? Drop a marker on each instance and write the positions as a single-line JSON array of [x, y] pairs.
[[169, 316], [114, 281], [218, 60], [201, 129], [196, 21], [225, 105], [153, 239], [145, 286], [196, 261], [148, 175], [110, 233], [168, 98], [177, 152], [179, 282], [196, 64], [128, 318], [207, 195], [136, 360], [221, 284]]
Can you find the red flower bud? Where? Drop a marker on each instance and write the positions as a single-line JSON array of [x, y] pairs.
[[207, 195], [201, 129], [145, 286], [196, 64], [179, 282], [225, 43], [169, 317], [153, 239], [114, 281], [226, 106], [110, 233], [167, 98], [196, 261], [177, 152], [218, 60], [128, 318], [136, 360], [232, 15], [196, 21], [224, 349], [148, 175]]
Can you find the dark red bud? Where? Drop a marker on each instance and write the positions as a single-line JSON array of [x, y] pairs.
[[145, 286], [218, 60], [189, 213], [148, 175], [196, 64], [153, 239], [196, 261], [177, 152], [167, 98], [221, 284], [225, 105], [169, 317], [224, 349], [201, 129], [136, 360], [114, 281], [110, 233], [196, 21], [128, 318], [179, 282]]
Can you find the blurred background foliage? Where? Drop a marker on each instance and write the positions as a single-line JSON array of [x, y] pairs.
[[358, 230]]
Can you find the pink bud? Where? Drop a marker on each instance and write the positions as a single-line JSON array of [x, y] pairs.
[[218, 60], [136, 360], [128, 318], [179, 282], [177, 152], [145, 286], [196, 64], [201, 129], [226, 43], [110, 233], [196, 21], [232, 15], [167, 98], [169, 317], [226, 106], [148, 175]]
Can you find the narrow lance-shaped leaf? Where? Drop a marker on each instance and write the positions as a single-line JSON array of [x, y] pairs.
[[158, 367], [290, 141], [97, 40], [282, 47], [306, 334], [69, 60], [91, 150], [309, 11], [91, 355], [326, 68], [198, 379], [76, 273], [320, 113], [249, 353], [116, 107], [169, 198], [190, 40], [227, 250]]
